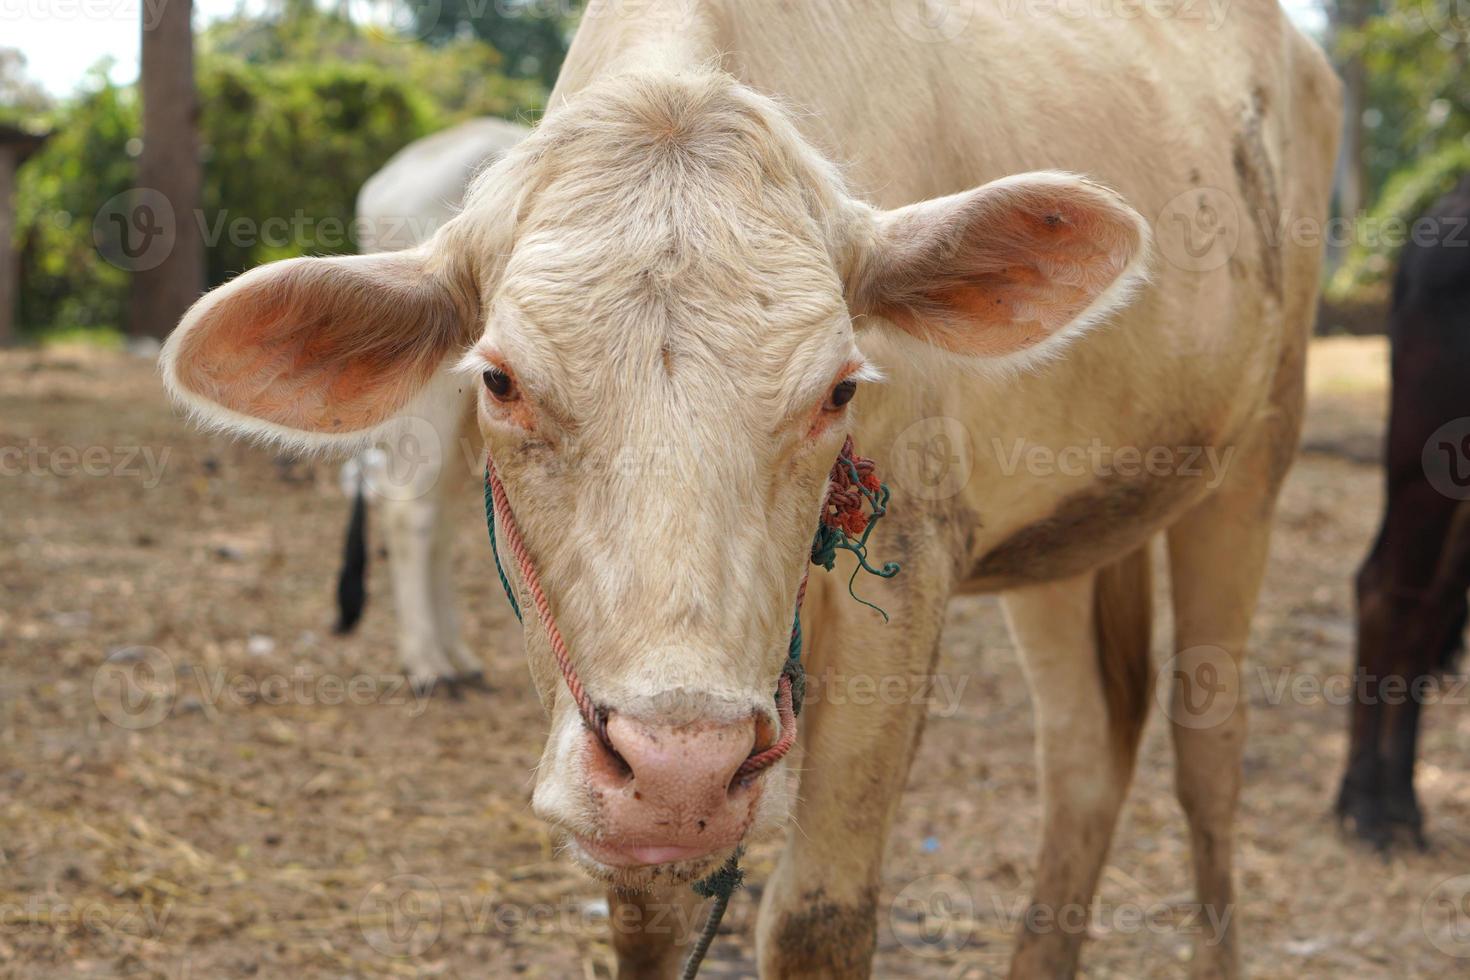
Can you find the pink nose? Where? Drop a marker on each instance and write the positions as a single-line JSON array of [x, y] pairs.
[[671, 798]]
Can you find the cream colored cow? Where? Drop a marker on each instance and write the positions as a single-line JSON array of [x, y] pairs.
[[730, 213]]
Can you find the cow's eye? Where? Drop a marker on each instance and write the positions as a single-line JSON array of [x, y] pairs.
[[841, 395], [499, 384]]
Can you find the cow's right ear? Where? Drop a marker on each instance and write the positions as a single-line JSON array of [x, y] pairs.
[[320, 352], [1004, 272]]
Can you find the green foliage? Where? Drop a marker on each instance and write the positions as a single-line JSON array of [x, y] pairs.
[[1417, 62], [286, 148], [97, 338], [537, 31], [297, 111], [1386, 228], [460, 78], [86, 162], [1416, 122]]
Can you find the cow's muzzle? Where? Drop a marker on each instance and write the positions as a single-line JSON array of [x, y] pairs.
[[669, 794]]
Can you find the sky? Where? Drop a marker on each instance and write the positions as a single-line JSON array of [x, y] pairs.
[[63, 39]]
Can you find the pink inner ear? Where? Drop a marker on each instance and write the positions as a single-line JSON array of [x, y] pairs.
[[1004, 268], [320, 346]]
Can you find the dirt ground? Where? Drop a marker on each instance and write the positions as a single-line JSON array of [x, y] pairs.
[[280, 806]]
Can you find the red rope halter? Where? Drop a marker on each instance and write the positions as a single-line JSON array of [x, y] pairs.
[[595, 717]]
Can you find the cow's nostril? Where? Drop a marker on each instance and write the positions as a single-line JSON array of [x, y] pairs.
[[765, 733], [607, 766], [684, 767]]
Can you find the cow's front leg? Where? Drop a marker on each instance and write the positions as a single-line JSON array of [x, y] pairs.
[[651, 929], [1086, 741], [1217, 558], [859, 730]]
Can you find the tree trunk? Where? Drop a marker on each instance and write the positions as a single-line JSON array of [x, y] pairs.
[[168, 171], [1353, 186], [1351, 15]]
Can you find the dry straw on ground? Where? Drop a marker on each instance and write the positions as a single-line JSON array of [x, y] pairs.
[[322, 835]]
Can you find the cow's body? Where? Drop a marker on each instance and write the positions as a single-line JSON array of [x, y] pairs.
[[423, 185], [680, 318], [1411, 588], [420, 471], [1153, 109]]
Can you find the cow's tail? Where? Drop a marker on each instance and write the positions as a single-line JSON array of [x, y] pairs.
[[1123, 620], [352, 580]]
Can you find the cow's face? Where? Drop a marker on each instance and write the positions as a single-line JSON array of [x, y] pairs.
[[654, 300]]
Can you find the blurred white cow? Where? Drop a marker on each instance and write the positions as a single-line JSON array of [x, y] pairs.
[[399, 207]]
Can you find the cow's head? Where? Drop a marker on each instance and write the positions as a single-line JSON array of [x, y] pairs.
[[654, 297]]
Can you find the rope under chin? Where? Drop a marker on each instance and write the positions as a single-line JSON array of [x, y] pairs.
[[854, 502]]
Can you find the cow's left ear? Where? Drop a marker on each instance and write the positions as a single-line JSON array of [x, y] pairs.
[[317, 352], [1003, 268]]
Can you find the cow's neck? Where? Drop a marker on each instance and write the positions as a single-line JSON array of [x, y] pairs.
[[619, 37]]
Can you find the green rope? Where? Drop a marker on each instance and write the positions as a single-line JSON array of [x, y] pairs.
[[793, 668], [510, 594], [719, 886], [722, 884]]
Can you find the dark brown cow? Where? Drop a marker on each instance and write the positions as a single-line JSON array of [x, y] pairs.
[[1412, 586]]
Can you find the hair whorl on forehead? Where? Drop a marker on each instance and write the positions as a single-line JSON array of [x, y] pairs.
[[694, 133]]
